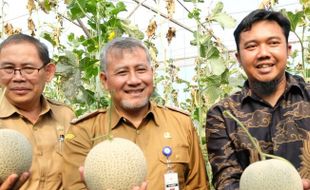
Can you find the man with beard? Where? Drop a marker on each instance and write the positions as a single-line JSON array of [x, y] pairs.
[[127, 74], [273, 104]]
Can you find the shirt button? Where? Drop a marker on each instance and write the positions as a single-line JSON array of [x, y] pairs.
[[137, 132], [40, 153]]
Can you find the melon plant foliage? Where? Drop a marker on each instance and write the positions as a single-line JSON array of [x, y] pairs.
[[216, 72]]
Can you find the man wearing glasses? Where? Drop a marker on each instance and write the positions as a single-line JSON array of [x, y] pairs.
[[25, 67]]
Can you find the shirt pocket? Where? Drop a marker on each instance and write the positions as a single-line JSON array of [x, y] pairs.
[[179, 162]]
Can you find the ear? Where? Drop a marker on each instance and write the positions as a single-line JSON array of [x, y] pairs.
[[50, 70], [238, 58], [103, 79], [289, 49]]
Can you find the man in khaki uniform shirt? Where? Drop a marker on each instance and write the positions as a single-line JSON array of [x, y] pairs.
[[127, 74], [24, 69]]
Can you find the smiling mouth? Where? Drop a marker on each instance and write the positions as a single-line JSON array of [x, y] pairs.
[[264, 66], [134, 91]]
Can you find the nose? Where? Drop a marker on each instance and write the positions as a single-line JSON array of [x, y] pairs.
[[17, 75], [263, 52], [133, 78], [15, 71]]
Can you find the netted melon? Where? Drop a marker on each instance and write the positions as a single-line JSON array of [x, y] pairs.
[[15, 153], [272, 174], [116, 164]]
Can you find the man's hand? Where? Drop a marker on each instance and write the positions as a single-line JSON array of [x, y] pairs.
[[14, 182], [142, 187], [306, 184]]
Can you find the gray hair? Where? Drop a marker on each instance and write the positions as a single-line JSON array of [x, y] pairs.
[[121, 44]]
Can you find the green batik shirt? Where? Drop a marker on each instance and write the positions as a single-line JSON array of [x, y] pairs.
[[282, 130]]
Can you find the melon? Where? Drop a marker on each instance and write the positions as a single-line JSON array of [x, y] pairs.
[[15, 153], [271, 174], [116, 164]]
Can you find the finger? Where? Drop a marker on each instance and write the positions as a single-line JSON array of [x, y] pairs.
[[81, 170], [144, 186], [22, 179], [9, 182]]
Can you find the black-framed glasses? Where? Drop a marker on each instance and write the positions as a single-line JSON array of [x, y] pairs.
[[25, 71]]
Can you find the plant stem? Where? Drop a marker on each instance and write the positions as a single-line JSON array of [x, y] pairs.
[[252, 139]]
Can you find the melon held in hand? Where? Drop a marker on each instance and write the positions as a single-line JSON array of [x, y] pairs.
[[15, 153], [116, 164], [272, 174]]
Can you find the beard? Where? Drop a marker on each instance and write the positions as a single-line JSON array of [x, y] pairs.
[[127, 105], [265, 88]]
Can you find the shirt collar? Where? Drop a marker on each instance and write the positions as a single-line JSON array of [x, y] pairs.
[[292, 82], [7, 109], [116, 117]]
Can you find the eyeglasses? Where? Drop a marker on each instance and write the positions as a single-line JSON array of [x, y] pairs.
[[26, 71]]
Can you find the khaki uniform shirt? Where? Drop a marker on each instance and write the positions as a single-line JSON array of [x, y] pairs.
[[160, 127], [44, 136]]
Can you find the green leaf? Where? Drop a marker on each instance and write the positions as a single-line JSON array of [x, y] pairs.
[[295, 19], [213, 93], [217, 66], [75, 9], [119, 7], [194, 14], [212, 51], [218, 8], [225, 20], [202, 51], [48, 37], [47, 5], [131, 29], [305, 3]]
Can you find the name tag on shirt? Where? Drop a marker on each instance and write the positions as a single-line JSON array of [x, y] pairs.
[[171, 181]]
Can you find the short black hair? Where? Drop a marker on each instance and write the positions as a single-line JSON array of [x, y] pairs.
[[260, 15], [18, 38]]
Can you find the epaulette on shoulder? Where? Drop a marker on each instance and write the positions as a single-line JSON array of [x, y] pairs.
[[178, 110], [87, 115]]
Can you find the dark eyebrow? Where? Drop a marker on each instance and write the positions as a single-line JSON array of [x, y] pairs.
[[12, 64], [6, 63], [270, 38]]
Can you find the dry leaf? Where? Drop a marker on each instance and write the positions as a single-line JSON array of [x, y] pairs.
[[170, 6], [151, 29], [31, 6], [267, 4], [9, 29], [170, 34], [31, 26], [56, 36], [67, 2]]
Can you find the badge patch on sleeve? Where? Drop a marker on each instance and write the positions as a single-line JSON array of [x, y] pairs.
[[69, 136]]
